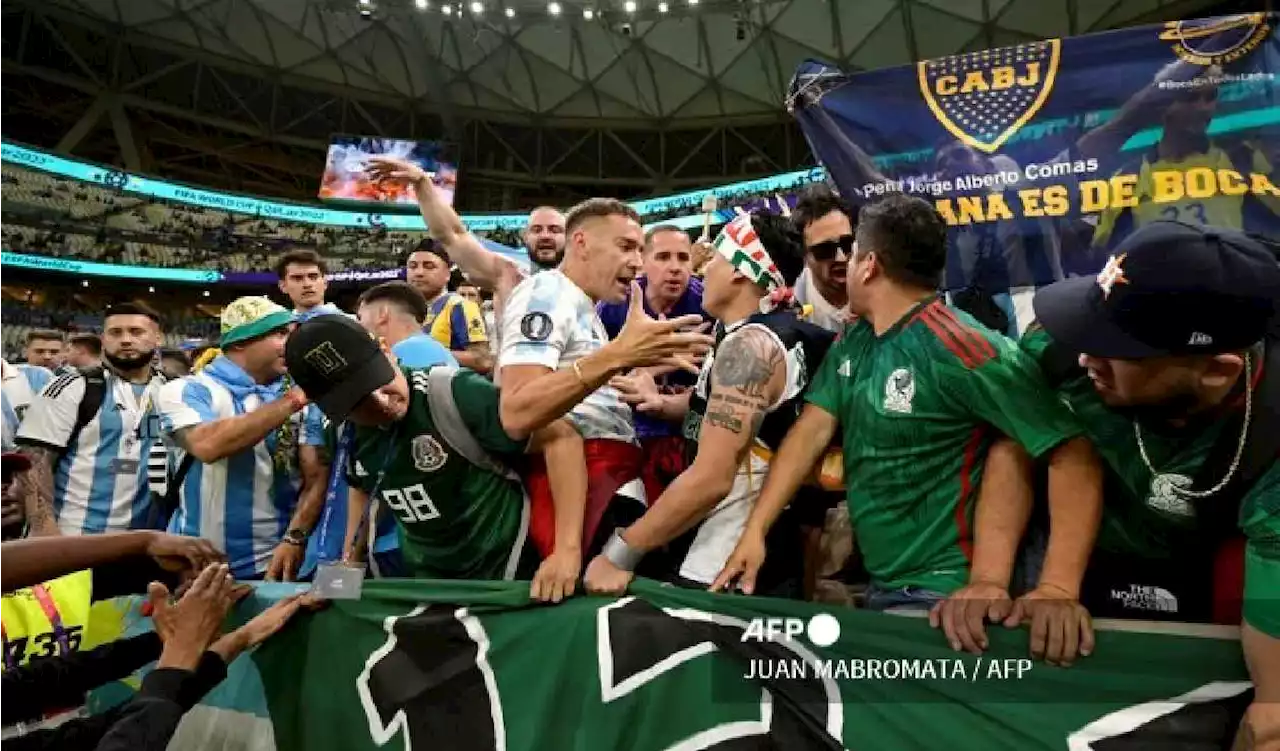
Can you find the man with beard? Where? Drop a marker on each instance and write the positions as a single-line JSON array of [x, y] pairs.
[[748, 395], [252, 480], [89, 465], [1169, 359], [669, 290], [826, 223], [457, 324], [544, 236]]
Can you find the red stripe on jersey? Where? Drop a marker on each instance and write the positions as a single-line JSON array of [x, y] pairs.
[[967, 333], [963, 533], [947, 338]]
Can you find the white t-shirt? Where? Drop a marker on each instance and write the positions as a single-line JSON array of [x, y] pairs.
[[825, 315], [549, 321]]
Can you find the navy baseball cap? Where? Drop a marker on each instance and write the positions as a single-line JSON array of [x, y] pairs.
[[1170, 288]]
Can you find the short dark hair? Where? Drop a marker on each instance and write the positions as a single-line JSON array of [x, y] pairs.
[[300, 257], [91, 343], [815, 202], [132, 309], [783, 242], [659, 229], [908, 237], [597, 208], [400, 294], [45, 335], [428, 245], [175, 354]]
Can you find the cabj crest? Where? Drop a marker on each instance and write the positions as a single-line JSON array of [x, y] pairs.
[[983, 98]]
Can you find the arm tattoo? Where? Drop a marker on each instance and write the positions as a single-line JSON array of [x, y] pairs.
[[747, 362], [39, 490], [744, 366]]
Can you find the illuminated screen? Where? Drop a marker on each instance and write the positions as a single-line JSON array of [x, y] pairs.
[[345, 178]]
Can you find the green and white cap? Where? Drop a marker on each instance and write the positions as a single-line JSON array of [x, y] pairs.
[[252, 317]]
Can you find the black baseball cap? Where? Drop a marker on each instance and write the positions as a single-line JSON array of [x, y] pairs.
[[336, 362], [1170, 288]]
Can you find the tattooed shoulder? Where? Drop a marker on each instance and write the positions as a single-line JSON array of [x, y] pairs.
[[747, 361]]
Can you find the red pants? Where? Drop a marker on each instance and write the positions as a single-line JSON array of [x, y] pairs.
[[610, 465], [663, 461]]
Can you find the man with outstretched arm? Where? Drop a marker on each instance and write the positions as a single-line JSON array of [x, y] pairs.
[[917, 389], [556, 357]]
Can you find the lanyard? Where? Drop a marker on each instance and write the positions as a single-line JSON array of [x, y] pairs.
[[134, 434], [50, 608], [337, 471], [377, 484]]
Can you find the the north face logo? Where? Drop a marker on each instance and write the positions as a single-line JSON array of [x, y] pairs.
[[1199, 339]]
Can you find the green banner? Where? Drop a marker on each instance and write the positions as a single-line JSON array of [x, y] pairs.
[[472, 666]]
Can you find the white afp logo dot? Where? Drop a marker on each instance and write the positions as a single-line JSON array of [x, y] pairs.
[[824, 630]]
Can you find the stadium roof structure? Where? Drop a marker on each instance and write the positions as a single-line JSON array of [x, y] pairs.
[[688, 68]]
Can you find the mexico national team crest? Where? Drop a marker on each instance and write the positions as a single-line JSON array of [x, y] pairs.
[[428, 454], [899, 390], [983, 98]]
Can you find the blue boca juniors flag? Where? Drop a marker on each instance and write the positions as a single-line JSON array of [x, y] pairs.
[[1042, 156]]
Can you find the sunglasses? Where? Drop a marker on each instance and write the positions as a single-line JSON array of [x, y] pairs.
[[826, 250]]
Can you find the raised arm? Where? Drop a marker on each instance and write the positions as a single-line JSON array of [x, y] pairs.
[[481, 265], [24, 563]]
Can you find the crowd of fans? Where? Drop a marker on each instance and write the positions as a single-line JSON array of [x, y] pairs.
[[52, 216], [715, 415]]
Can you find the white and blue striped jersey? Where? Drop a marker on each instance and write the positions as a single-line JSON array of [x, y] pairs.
[[21, 385], [100, 481], [323, 309], [242, 504]]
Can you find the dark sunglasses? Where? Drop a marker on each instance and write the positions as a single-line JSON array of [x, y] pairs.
[[826, 250]]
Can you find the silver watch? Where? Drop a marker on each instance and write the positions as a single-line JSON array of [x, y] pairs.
[[619, 553]]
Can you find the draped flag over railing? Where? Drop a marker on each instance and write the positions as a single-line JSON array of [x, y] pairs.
[[474, 666], [1043, 155]]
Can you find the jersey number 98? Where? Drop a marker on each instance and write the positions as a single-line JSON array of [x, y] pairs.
[[411, 504]]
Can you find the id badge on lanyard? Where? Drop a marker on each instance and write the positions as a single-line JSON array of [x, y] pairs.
[[130, 458], [339, 580]]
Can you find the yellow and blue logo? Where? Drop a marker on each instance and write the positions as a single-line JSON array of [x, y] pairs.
[[1216, 41], [983, 98]]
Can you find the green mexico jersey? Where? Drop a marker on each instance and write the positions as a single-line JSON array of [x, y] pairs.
[[1143, 515], [919, 407], [456, 520]]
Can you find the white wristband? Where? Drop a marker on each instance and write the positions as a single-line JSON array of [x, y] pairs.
[[620, 554]]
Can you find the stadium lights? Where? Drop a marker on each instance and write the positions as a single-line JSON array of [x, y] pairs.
[[693, 2], [553, 8], [511, 12], [365, 3], [84, 283], [588, 14], [422, 4], [206, 293], [629, 6], [446, 9], [477, 8], [662, 7], [152, 290]]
